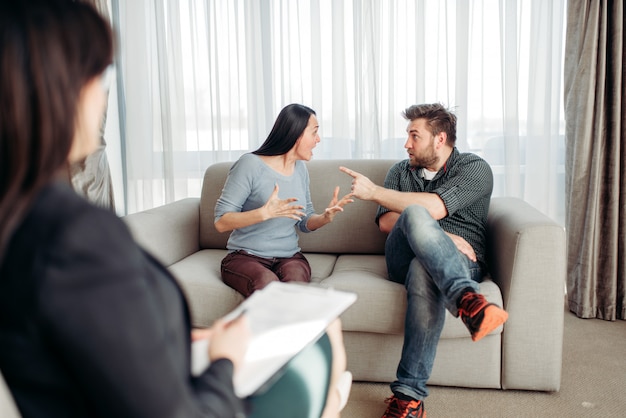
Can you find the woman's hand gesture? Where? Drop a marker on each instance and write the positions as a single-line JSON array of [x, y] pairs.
[[276, 208], [336, 205]]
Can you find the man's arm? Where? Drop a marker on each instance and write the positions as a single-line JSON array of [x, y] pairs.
[[387, 221], [363, 188]]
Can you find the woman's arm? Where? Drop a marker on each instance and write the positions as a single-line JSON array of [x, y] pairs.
[[273, 208]]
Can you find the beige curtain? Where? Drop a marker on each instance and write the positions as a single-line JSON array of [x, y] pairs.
[[92, 177], [596, 158]]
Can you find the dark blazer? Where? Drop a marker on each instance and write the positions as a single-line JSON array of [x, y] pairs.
[[91, 325]]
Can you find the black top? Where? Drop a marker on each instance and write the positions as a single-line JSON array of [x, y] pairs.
[[91, 325]]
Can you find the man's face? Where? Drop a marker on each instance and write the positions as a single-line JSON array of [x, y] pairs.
[[420, 145]]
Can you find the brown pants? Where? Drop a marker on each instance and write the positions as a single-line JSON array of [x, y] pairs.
[[246, 273]]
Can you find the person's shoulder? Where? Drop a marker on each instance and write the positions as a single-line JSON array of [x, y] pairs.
[[67, 231], [248, 159], [62, 209], [470, 162], [58, 200], [248, 156], [248, 165], [79, 242], [470, 157]]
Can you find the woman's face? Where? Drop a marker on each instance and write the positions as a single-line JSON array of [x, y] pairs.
[[308, 140], [90, 111]]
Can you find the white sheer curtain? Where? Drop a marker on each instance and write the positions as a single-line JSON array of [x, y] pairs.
[[202, 81]]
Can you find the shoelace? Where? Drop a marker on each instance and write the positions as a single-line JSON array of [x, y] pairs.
[[471, 303], [397, 407]]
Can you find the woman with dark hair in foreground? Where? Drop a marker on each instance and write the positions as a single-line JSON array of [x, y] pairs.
[[90, 324]]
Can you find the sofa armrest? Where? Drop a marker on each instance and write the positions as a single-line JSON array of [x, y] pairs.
[[527, 256], [170, 232]]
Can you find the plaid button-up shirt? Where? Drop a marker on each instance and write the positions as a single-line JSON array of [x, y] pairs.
[[464, 184]]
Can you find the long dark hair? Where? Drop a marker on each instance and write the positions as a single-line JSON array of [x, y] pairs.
[[289, 126], [50, 50]]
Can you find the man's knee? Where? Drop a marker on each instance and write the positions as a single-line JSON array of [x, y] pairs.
[[418, 226], [416, 214]]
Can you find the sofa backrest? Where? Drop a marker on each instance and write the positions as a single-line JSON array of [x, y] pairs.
[[352, 232]]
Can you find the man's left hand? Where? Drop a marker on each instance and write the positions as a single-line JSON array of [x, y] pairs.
[[463, 246]]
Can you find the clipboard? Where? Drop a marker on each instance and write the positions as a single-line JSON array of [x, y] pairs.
[[284, 318]]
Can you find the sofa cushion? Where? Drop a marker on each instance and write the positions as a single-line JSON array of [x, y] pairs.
[[199, 276], [209, 298]]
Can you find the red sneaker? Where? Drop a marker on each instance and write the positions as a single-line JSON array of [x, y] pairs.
[[479, 316], [399, 408]]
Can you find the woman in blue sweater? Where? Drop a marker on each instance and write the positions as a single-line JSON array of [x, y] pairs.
[[263, 246]]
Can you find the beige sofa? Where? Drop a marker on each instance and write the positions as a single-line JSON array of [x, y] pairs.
[[527, 259]]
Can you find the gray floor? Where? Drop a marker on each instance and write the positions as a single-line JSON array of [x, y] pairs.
[[593, 383]]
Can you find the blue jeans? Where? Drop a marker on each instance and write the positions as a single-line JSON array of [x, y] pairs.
[[435, 273]]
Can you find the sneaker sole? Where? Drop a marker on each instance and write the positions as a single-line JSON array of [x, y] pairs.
[[493, 318]]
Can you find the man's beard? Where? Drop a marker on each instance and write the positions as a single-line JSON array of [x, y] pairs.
[[429, 160]]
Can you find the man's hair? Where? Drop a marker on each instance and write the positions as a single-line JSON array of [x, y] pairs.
[[289, 126], [50, 50], [438, 118]]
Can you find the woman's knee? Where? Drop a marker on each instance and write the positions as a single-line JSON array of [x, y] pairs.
[[246, 285], [245, 274], [294, 269], [295, 276]]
